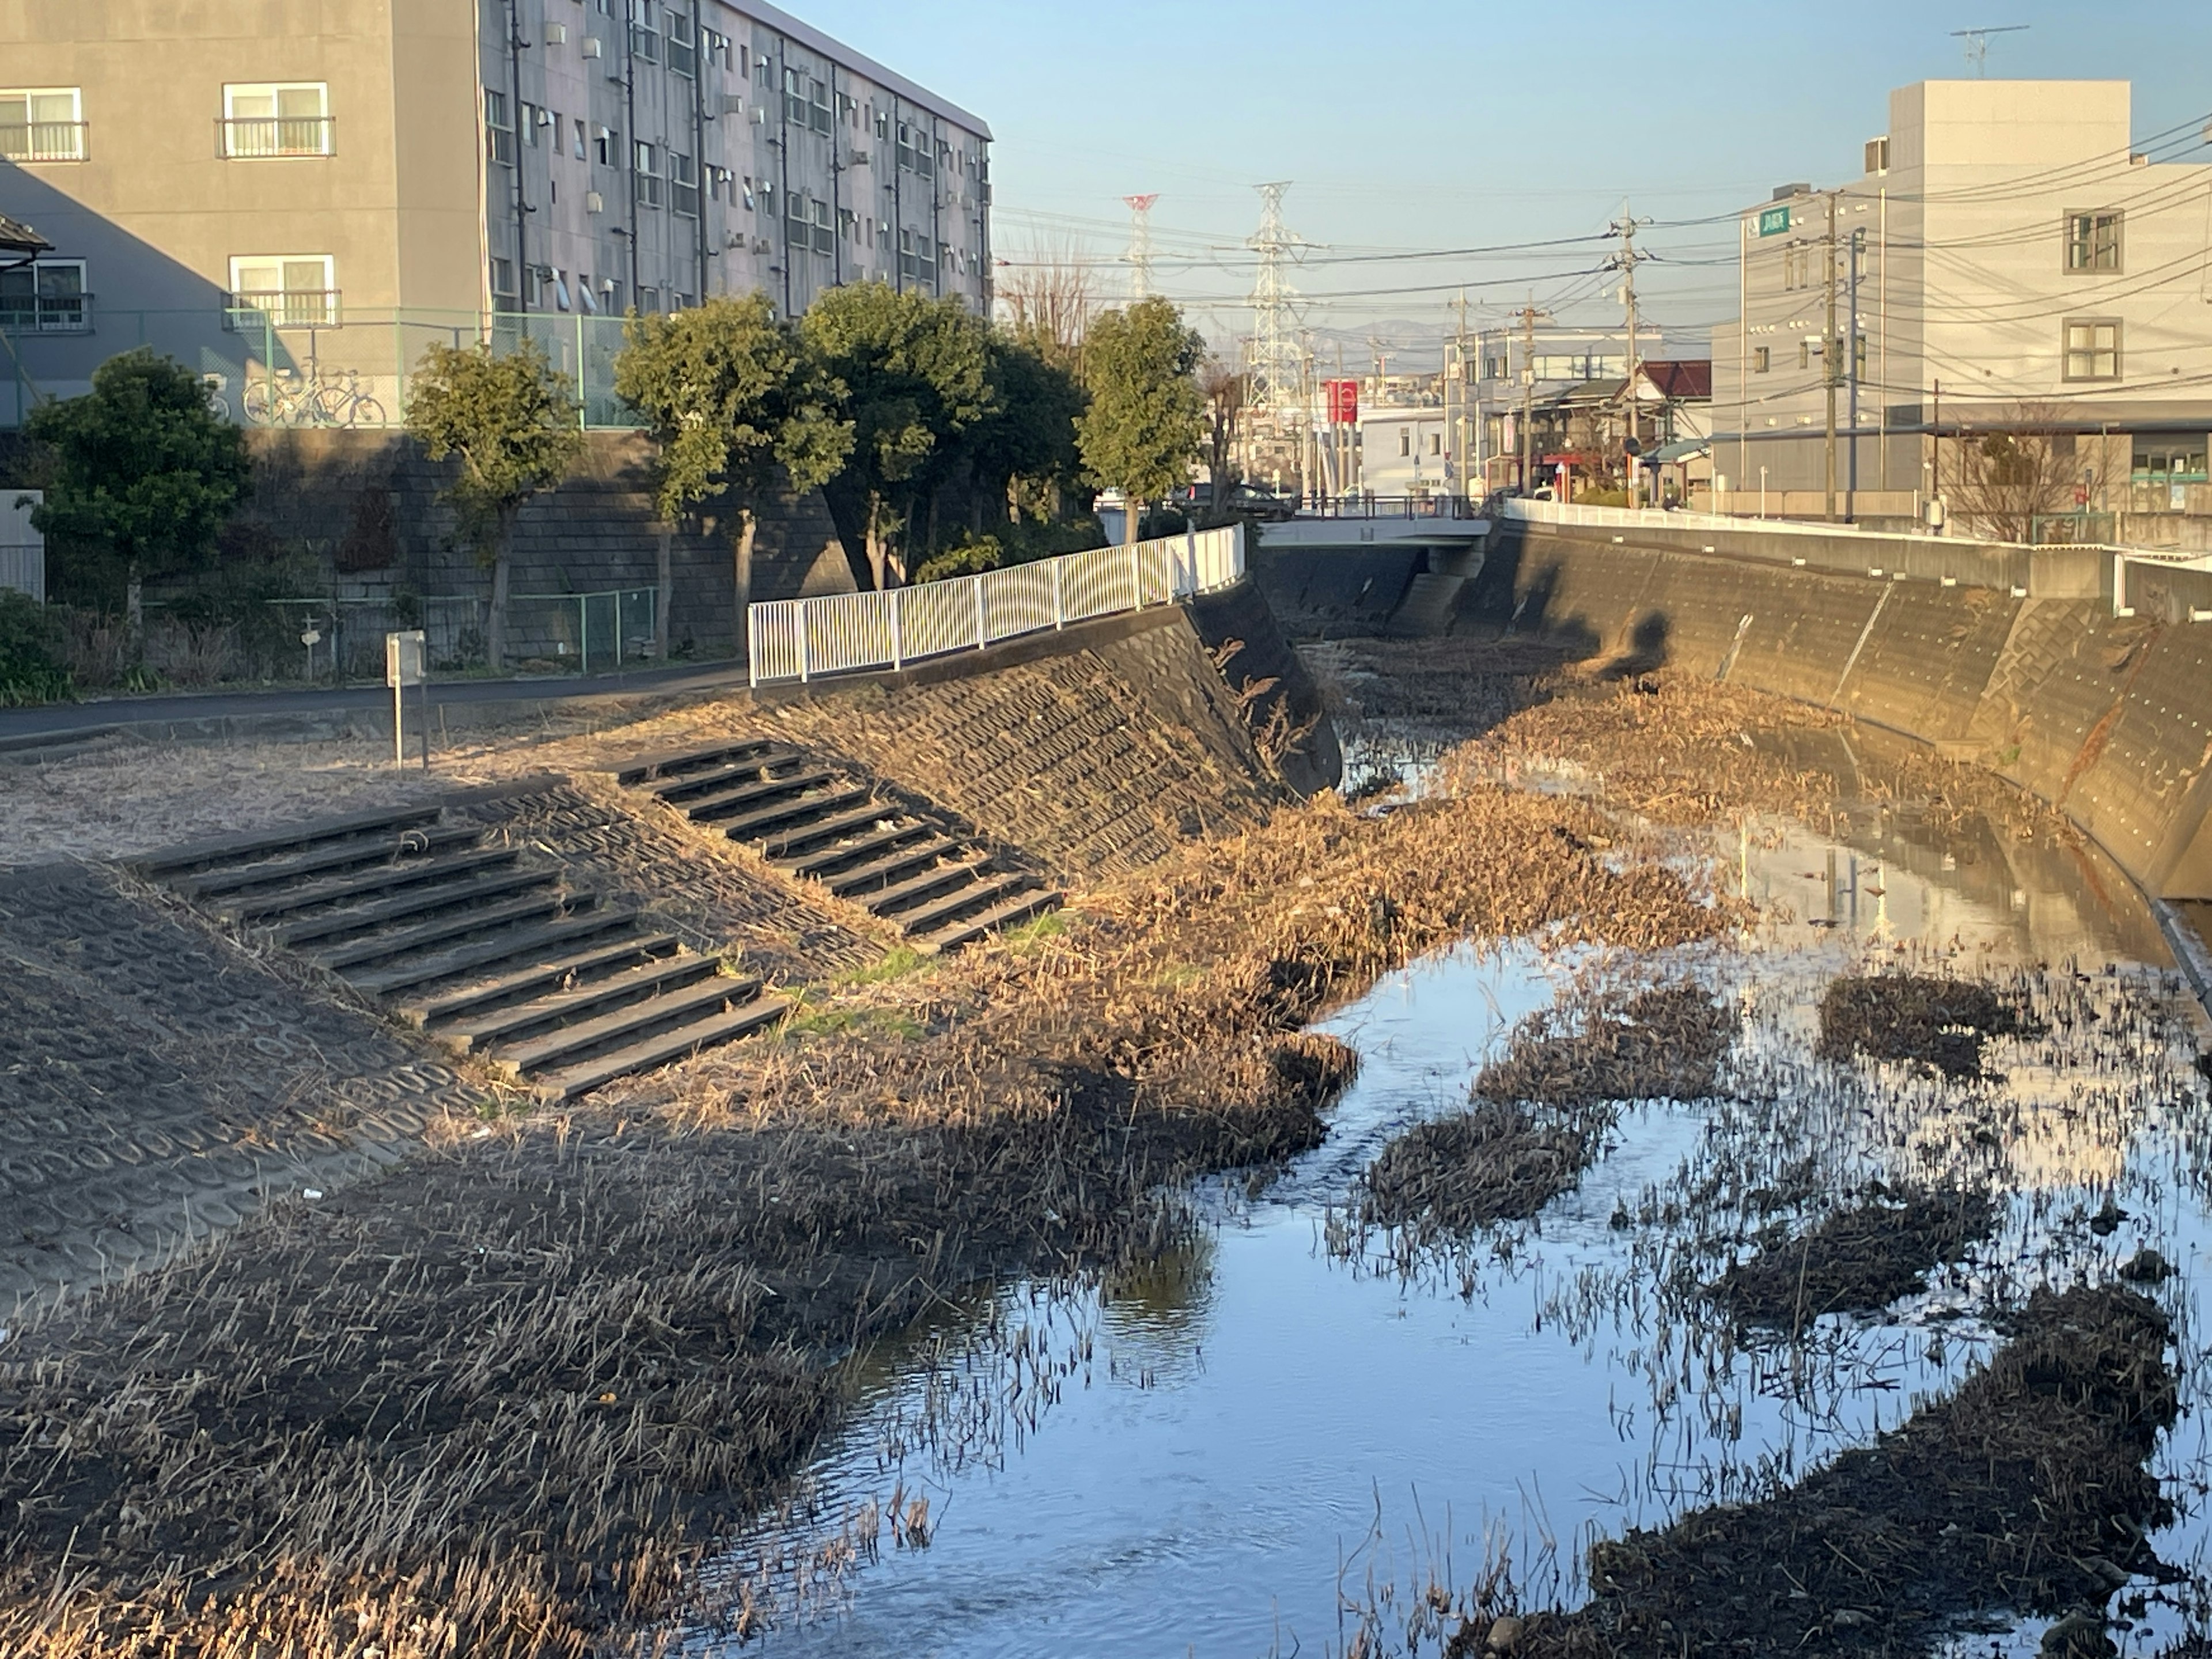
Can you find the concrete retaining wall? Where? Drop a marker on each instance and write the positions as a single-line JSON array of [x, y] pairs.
[[2108, 718]]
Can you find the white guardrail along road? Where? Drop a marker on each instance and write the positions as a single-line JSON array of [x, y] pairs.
[[849, 633]]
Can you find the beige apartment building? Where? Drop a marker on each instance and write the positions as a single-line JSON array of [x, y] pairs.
[[295, 196], [2009, 249]]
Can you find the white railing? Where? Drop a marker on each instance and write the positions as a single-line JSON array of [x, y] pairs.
[[849, 633]]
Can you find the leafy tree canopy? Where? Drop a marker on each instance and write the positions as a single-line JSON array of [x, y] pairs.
[[510, 417], [731, 395], [914, 377], [1145, 420], [143, 473], [1031, 433]]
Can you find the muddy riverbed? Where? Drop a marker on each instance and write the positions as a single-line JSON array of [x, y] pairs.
[[1305, 1434]]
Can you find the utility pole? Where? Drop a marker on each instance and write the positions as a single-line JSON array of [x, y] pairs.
[[1626, 262], [1828, 358], [1851, 366], [1529, 316], [1457, 441]]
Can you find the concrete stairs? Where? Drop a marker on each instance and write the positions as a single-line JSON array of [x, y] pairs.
[[473, 943], [813, 821]]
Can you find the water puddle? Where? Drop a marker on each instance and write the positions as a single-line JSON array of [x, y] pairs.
[[1292, 1437]]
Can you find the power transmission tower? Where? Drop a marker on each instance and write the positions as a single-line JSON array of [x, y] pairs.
[[1140, 256], [1274, 360], [1626, 262], [1529, 316]]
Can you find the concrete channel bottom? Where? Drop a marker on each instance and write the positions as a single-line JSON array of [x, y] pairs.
[[158, 1085]]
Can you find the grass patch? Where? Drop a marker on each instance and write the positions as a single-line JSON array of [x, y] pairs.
[[896, 963]]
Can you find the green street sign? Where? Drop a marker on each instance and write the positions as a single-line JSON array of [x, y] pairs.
[[1773, 221]]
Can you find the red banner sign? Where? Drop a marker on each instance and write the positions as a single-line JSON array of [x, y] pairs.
[[1343, 402]]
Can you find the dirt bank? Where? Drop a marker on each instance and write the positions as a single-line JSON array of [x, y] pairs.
[[1940, 1025], [1858, 1259], [2025, 1492], [502, 1401]]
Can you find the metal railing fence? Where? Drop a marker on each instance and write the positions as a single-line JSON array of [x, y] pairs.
[[613, 627], [849, 633]]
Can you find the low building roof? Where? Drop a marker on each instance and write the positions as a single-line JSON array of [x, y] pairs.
[[19, 239], [1687, 378]]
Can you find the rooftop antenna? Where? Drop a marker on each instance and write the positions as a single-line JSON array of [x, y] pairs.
[[1978, 44], [1139, 255]]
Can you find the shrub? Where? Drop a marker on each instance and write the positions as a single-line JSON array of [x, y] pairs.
[[31, 653]]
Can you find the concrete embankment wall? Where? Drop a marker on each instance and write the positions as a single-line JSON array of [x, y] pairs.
[[1097, 749], [2107, 717]]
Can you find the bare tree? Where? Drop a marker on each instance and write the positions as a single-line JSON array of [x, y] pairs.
[[1046, 299], [1224, 390], [2001, 479]]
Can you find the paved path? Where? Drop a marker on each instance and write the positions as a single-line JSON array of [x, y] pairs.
[[58, 720]]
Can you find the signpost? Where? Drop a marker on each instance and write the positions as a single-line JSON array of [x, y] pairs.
[[1343, 402], [404, 665], [1773, 221]]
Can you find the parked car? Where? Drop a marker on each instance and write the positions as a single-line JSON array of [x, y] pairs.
[[1245, 500]]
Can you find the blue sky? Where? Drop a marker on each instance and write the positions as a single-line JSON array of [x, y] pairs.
[[1452, 126]]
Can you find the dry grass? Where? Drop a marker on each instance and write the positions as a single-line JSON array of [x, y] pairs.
[[504, 1402]]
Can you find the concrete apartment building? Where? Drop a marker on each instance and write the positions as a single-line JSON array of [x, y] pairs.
[[288, 193], [2016, 254]]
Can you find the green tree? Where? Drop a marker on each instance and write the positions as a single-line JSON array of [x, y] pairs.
[[732, 399], [511, 418], [913, 378], [141, 477], [1146, 416], [1024, 450]]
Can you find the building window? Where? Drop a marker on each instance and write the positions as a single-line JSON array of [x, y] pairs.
[[1877, 155], [914, 155], [848, 224], [795, 98], [583, 134], [718, 50], [42, 123], [47, 296], [817, 107], [498, 128], [1805, 354], [749, 192], [2093, 348], [883, 235], [649, 300], [2093, 241], [915, 259], [1405, 440], [292, 290], [532, 118], [718, 184], [502, 278], [884, 126], [682, 184], [1436, 443], [2168, 461], [1762, 359], [683, 51], [644, 38], [604, 147], [645, 169], [276, 119]]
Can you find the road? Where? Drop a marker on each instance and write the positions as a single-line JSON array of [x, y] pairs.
[[60, 719]]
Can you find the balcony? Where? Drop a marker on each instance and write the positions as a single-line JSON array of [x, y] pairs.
[[46, 313], [297, 307], [251, 137], [43, 141]]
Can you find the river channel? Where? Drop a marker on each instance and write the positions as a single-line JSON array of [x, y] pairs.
[[1285, 1437]]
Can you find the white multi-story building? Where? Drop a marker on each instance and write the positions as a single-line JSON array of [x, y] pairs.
[[2008, 256]]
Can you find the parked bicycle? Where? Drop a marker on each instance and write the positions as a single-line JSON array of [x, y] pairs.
[[286, 397]]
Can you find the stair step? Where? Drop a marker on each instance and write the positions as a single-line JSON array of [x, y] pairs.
[[486, 953], [233, 848], [721, 804], [536, 978], [410, 873], [655, 1051], [639, 1018], [926, 918], [891, 900], [784, 842], [753, 766], [785, 811], [849, 884], [382, 947], [829, 858], [1020, 908], [654, 979], [407, 844], [368, 917], [670, 762]]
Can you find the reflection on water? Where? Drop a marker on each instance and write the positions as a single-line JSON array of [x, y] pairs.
[[1256, 1446]]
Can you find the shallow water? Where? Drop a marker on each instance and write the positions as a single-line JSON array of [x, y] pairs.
[[1264, 1443]]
